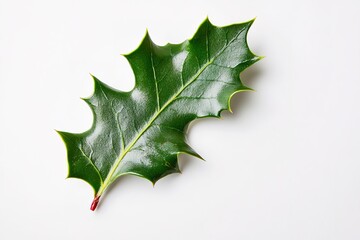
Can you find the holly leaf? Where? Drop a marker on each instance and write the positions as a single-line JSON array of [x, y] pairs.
[[141, 132]]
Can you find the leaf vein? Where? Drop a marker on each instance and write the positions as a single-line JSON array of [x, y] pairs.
[[91, 163], [155, 80]]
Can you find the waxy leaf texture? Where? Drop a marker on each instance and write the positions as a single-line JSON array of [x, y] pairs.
[[141, 132]]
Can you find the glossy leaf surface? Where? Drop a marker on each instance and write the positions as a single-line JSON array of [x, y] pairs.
[[141, 132]]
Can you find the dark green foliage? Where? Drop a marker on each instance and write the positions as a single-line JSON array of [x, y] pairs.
[[141, 132]]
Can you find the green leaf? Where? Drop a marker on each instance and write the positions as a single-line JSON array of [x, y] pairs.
[[141, 132]]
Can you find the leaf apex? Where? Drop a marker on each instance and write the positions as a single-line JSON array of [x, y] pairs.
[[97, 82], [207, 20], [249, 22], [63, 134], [85, 99], [147, 32], [95, 79], [146, 40]]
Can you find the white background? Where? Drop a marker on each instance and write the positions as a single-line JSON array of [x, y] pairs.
[[284, 166]]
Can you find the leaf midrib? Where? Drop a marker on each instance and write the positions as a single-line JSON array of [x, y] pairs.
[[109, 179]]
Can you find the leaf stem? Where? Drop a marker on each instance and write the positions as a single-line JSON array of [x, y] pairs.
[[95, 203]]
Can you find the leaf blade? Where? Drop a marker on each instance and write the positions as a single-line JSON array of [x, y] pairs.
[[141, 132]]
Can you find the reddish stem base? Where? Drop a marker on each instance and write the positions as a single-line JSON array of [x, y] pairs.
[[94, 203]]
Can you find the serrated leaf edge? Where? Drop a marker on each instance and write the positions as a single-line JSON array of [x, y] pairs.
[[105, 183]]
